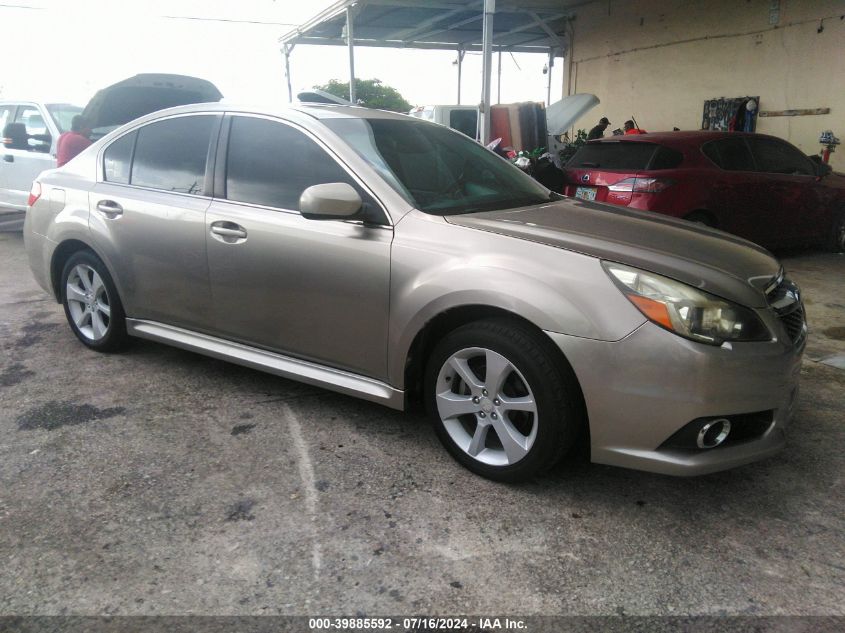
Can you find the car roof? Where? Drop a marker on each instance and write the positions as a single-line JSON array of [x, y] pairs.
[[315, 110], [684, 137]]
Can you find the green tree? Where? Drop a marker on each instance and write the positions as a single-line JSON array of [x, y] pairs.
[[369, 92]]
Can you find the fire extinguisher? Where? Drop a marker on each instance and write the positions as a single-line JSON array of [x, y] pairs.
[[829, 141]]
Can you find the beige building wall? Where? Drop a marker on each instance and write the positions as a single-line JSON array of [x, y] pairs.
[[659, 60]]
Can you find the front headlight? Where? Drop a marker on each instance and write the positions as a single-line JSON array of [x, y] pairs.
[[685, 310]]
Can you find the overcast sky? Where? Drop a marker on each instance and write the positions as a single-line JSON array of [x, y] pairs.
[[65, 50]]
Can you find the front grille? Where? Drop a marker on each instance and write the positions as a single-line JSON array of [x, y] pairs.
[[785, 300]]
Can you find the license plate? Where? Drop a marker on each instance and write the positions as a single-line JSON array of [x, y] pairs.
[[586, 193]]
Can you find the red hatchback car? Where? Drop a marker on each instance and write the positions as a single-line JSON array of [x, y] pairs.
[[752, 185]]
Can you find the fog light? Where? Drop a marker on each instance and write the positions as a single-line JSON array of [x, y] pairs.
[[713, 433]]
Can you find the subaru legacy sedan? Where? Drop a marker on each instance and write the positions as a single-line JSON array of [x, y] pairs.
[[401, 262]]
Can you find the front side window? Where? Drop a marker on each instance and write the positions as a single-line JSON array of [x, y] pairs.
[[731, 154], [777, 157], [117, 159], [171, 155], [271, 164], [436, 169]]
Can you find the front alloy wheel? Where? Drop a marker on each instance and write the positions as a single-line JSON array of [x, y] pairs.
[[486, 406], [838, 242], [505, 403]]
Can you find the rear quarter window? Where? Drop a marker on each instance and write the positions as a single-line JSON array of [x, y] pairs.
[[623, 156]]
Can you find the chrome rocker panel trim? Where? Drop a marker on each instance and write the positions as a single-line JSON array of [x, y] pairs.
[[277, 364]]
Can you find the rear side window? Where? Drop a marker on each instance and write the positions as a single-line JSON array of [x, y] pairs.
[[271, 164], [171, 154], [776, 157], [117, 159], [731, 154], [624, 156]]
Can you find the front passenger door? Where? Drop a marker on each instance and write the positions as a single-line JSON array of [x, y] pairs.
[[313, 289], [21, 165], [793, 188]]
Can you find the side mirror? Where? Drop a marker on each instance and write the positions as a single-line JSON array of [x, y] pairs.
[[15, 136], [332, 201]]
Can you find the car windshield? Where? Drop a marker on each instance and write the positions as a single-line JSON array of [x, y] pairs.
[[63, 114], [436, 169]]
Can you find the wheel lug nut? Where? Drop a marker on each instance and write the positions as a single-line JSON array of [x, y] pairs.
[[475, 400], [482, 415], [496, 402], [483, 392], [494, 416]]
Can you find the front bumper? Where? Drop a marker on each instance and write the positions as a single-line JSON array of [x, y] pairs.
[[641, 390]]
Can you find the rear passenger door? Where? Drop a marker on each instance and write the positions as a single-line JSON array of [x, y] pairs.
[[317, 290], [147, 215]]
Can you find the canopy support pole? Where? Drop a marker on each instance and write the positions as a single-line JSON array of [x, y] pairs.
[[350, 39], [286, 51], [461, 53], [549, 82], [487, 54], [499, 79]]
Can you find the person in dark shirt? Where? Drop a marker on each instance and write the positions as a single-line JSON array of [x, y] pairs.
[[598, 131], [72, 143]]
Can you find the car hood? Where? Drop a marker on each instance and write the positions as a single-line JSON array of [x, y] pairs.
[[561, 115], [139, 95], [705, 258]]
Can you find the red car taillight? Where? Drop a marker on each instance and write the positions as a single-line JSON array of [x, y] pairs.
[[642, 185], [34, 193]]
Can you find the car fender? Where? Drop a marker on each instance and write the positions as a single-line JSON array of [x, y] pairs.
[[556, 290]]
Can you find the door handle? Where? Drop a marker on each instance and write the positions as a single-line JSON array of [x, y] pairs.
[[110, 209], [229, 231], [9, 158]]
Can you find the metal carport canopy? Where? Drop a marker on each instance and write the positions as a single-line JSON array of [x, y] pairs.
[[536, 26]]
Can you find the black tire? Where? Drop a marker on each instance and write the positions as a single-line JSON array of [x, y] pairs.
[[701, 217], [837, 233], [559, 404], [114, 337]]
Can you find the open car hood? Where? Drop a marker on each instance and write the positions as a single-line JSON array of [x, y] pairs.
[[139, 95], [561, 115]]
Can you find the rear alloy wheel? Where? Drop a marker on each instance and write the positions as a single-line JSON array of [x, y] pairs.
[[91, 303], [502, 405]]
